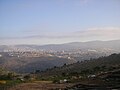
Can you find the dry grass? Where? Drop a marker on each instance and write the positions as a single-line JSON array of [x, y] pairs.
[[43, 81], [2, 82], [41, 85]]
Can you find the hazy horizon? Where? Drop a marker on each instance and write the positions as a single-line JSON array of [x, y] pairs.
[[43, 22], [63, 42]]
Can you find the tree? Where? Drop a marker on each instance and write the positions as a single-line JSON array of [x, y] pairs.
[[27, 77]]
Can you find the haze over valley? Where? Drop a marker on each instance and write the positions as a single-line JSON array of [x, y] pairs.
[[28, 58]]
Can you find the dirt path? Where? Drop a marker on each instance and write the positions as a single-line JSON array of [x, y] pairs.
[[40, 86]]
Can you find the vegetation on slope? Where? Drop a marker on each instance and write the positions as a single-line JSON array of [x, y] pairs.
[[88, 66]]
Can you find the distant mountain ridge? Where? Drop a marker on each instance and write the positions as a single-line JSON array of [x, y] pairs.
[[113, 44]]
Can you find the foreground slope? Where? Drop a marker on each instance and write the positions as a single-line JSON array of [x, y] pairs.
[[107, 63]]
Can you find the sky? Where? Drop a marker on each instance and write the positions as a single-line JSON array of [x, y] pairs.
[[58, 21]]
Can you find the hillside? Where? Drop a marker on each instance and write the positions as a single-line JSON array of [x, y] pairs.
[[88, 66], [30, 64], [100, 74]]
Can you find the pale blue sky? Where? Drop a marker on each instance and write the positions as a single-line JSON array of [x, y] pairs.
[[36, 19]]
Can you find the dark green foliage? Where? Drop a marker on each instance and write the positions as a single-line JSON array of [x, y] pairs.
[[8, 76], [87, 67], [27, 77], [37, 71], [9, 84]]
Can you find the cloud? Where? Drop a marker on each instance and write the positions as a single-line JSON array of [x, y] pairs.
[[96, 33], [104, 33], [90, 32]]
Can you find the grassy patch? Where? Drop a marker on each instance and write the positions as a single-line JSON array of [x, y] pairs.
[[4, 85]]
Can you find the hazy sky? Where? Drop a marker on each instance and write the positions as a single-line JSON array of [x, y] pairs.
[[58, 21]]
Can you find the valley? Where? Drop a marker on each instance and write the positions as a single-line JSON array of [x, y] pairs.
[[28, 58], [25, 67]]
